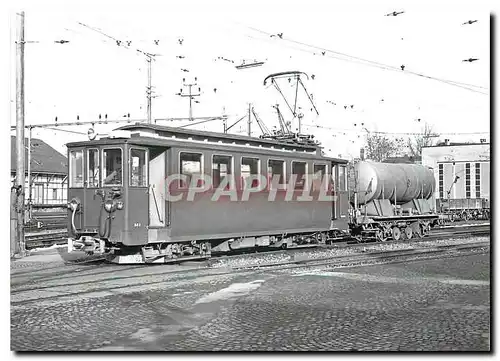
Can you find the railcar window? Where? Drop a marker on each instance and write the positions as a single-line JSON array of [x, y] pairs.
[[93, 168], [112, 171], [76, 169], [300, 170], [190, 164], [222, 167], [342, 178], [319, 171], [138, 168], [276, 167], [249, 167]]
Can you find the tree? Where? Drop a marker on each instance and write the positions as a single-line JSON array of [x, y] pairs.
[[417, 142], [380, 147]]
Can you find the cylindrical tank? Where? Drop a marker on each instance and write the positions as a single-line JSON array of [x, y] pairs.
[[400, 182]]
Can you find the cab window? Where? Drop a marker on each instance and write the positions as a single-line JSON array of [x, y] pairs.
[[93, 168], [138, 168], [112, 172], [76, 169]]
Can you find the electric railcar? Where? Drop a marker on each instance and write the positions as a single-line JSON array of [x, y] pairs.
[[143, 196]]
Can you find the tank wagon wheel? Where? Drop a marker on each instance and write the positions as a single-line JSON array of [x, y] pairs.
[[396, 233], [417, 229], [379, 234], [408, 232]]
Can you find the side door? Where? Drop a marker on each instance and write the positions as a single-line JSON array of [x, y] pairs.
[[341, 203], [157, 204], [138, 200]]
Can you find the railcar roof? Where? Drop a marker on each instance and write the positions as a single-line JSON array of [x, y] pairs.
[[162, 130], [152, 134]]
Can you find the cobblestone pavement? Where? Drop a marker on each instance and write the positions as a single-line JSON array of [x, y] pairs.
[[431, 305]]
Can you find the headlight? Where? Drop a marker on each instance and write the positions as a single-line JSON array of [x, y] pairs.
[[108, 206], [119, 205]]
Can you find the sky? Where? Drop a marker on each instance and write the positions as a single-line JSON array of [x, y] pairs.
[[361, 67]]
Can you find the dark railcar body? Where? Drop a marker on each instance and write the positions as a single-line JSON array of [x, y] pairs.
[[148, 217]]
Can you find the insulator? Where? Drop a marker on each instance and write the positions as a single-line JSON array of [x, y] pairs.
[[77, 117], [99, 116]]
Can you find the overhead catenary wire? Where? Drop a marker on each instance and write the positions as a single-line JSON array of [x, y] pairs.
[[340, 130], [368, 62]]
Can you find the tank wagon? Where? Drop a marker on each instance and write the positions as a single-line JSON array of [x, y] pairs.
[[144, 196], [392, 201]]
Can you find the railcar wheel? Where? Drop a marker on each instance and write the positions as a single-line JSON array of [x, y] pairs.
[[396, 233], [408, 232]]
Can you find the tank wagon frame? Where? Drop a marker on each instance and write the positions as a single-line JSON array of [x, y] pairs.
[[121, 201], [392, 201]]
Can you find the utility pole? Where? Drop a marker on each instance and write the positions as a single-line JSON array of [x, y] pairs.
[[190, 95], [20, 179], [149, 90], [250, 119]]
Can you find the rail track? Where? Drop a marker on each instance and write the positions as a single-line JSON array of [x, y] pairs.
[[59, 236], [45, 239]]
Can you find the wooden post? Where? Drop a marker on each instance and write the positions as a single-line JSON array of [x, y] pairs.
[[20, 176]]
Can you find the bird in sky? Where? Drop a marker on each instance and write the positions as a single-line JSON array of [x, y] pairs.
[[402, 67], [394, 13], [313, 76], [185, 70], [180, 41], [129, 42], [156, 42], [215, 90], [180, 56], [470, 22], [470, 60], [61, 41], [323, 52], [279, 35], [118, 42]]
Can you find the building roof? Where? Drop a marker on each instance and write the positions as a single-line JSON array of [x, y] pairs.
[[452, 144], [408, 159], [44, 158]]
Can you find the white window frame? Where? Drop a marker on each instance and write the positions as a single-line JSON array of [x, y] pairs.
[[231, 176], [259, 169], [306, 181], [270, 176], [88, 168], [202, 165], [130, 166], [326, 173], [71, 185], [103, 165]]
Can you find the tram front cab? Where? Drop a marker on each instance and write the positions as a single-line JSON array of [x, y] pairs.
[[108, 195]]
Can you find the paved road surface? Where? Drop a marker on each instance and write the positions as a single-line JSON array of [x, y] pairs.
[[426, 305]]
